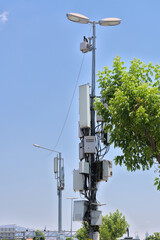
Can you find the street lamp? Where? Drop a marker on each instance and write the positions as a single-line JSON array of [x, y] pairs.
[[59, 171], [36, 145], [71, 198], [91, 46], [79, 18]]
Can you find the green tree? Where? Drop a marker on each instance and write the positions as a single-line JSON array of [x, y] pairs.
[[113, 227], [39, 235], [132, 115], [69, 238], [155, 236], [83, 232]]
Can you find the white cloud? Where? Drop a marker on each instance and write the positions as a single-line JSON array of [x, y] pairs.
[[3, 17]]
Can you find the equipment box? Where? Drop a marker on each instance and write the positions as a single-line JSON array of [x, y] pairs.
[[80, 209]]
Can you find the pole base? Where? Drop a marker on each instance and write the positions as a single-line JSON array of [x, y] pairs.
[[96, 236]]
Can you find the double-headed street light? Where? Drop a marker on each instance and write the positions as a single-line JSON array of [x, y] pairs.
[[59, 171], [79, 18], [85, 47]]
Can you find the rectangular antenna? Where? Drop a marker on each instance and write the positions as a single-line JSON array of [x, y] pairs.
[[55, 165], [84, 106]]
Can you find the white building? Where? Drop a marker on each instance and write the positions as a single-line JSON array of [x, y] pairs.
[[7, 231]]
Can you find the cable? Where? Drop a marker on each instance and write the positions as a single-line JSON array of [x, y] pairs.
[[71, 98], [70, 104]]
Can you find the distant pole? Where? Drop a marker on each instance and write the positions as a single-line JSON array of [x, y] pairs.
[[60, 186], [71, 198], [71, 216], [59, 198], [24, 235]]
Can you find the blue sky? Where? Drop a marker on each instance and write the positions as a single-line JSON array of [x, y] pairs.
[[39, 65]]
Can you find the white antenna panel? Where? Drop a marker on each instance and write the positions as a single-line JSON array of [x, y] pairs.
[[84, 106], [55, 165]]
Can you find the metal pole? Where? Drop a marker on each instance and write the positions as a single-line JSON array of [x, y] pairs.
[[24, 236], [92, 182], [71, 216], [59, 198], [93, 81], [71, 198], [59, 186]]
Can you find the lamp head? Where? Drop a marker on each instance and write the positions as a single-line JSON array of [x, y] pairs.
[[109, 21], [36, 145], [76, 17]]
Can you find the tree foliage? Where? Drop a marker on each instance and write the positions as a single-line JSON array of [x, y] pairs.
[[83, 232], [113, 227], [39, 235], [132, 114], [155, 236]]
